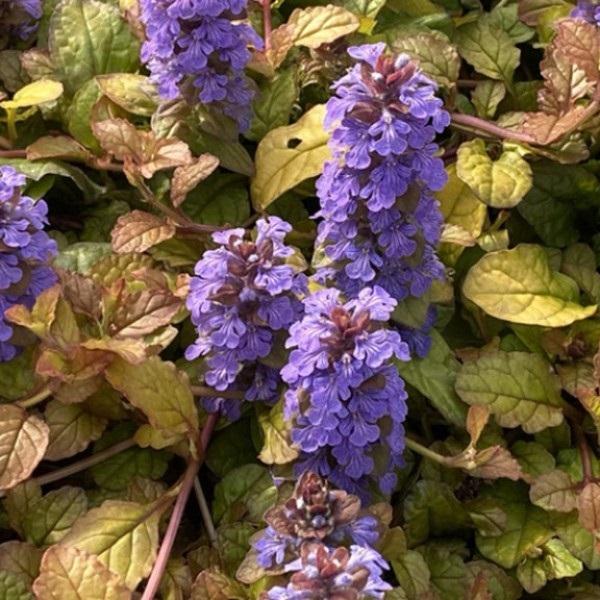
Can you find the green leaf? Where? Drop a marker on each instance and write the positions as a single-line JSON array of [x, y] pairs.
[[230, 448], [486, 97], [132, 92], [500, 585], [12, 587], [17, 376], [246, 491], [580, 542], [533, 457], [277, 446], [72, 574], [81, 257], [557, 189], [500, 183], [431, 509], [460, 206], [37, 170], [288, 155], [79, 115], [559, 562], [489, 49], [527, 526], [234, 543], [38, 92], [159, 390], [317, 25], [72, 428], [220, 199], [117, 472], [51, 518], [507, 18], [518, 388], [531, 575], [434, 377], [519, 286], [448, 571], [22, 559], [123, 535], [579, 263], [436, 56], [273, 106], [89, 38], [412, 573]]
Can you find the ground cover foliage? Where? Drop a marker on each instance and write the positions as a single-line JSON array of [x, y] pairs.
[[298, 300]]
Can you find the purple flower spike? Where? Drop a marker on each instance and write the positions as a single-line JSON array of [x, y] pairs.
[[345, 394], [380, 221], [243, 292], [199, 49], [24, 251]]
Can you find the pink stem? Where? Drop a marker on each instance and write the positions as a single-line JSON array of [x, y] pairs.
[[182, 498], [268, 27], [491, 128]]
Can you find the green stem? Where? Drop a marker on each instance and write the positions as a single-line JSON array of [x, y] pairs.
[[11, 124], [36, 398], [426, 452]]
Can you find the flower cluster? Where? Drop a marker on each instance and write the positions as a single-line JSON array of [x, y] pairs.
[[314, 513], [18, 19], [25, 248], [588, 11], [380, 220], [199, 49], [347, 398], [243, 292], [321, 572]]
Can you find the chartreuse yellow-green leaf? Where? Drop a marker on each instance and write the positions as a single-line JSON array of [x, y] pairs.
[[277, 446], [316, 25], [500, 183], [71, 574], [519, 388], [288, 155], [123, 535], [519, 286], [460, 206], [12, 587], [527, 526], [159, 390], [38, 92]]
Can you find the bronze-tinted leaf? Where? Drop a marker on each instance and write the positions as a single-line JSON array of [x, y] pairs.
[[186, 177], [23, 442], [137, 231], [72, 574]]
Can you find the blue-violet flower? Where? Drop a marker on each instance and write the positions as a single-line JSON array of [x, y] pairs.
[[25, 250], [243, 293], [588, 11], [198, 49], [381, 222], [344, 392]]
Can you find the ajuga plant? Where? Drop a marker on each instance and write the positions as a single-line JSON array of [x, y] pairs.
[[299, 299]]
